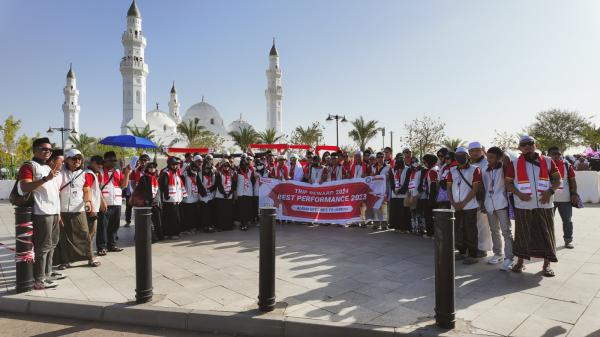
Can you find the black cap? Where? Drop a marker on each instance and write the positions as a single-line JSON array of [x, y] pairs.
[[97, 159], [145, 157]]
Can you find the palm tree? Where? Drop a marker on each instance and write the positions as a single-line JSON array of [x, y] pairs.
[[311, 135], [453, 143], [363, 131], [192, 131], [244, 137], [144, 132], [83, 143], [270, 136]]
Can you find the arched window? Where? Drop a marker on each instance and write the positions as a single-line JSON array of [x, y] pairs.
[[138, 98], [165, 127], [212, 121]]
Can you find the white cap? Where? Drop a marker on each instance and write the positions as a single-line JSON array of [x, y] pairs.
[[475, 145], [280, 157], [197, 157], [72, 153], [250, 158], [294, 156], [209, 157], [406, 149], [358, 153], [461, 149], [226, 154], [372, 155]]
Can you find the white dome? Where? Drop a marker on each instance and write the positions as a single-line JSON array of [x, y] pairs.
[[239, 125], [207, 116], [160, 120]]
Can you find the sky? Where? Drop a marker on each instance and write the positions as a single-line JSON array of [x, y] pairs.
[[478, 65]]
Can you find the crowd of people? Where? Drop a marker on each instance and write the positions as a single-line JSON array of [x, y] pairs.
[[75, 202]]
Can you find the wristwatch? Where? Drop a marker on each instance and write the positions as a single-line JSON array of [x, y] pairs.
[[45, 179]]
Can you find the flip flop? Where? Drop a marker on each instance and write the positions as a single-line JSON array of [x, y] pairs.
[[94, 263], [518, 269], [548, 272]]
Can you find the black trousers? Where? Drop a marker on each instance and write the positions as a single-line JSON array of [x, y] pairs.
[[428, 206], [171, 220], [245, 209], [225, 214], [255, 208], [157, 231], [465, 231], [399, 215], [108, 226], [190, 215], [206, 215]]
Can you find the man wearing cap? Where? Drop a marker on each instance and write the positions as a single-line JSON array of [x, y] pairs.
[[281, 171], [92, 176], [244, 181], [566, 196], [464, 180], [225, 187], [296, 171], [315, 171], [336, 171], [188, 159], [172, 191], [75, 200], [112, 183], [484, 236], [533, 179], [137, 173], [207, 188], [36, 177], [357, 170], [189, 207]]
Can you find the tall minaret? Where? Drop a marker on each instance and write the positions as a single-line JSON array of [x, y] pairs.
[[71, 105], [174, 105], [274, 91], [134, 71]]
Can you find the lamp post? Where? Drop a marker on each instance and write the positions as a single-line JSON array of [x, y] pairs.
[[392, 141], [383, 138], [337, 118], [62, 133]]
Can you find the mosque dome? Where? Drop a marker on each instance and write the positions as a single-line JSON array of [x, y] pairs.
[[239, 124], [208, 116], [160, 121]]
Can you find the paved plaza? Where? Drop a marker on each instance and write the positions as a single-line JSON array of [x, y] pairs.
[[353, 275]]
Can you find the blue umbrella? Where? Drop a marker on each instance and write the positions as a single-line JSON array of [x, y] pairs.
[[128, 141]]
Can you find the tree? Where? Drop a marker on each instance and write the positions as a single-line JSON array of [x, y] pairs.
[[452, 143], [311, 135], [506, 140], [591, 136], [9, 130], [193, 131], [556, 127], [244, 137], [423, 135], [363, 132], [144, 132], [270, 136], [83, 143]]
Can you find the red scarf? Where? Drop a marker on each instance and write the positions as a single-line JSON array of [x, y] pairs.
[[153, 183], [561, 167], [279, 169], [397, 174], [523, 183], [353, 169], [334, 172], [246, 179], [172, 186]]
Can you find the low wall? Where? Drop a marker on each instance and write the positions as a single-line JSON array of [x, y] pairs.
[[588, 186]]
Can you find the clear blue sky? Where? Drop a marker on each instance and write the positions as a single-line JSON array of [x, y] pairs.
[[478, 65]]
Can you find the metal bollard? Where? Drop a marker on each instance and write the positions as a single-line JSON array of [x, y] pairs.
[[266, 276], [445, 316], [24, 248], [143, 254]]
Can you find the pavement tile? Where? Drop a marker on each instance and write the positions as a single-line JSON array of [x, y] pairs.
[[538, 326], [561, 311]]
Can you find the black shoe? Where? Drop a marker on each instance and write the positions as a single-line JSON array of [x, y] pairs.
[[127, 224], [115, 249], [481, 253], [244, 228], [569, 245]]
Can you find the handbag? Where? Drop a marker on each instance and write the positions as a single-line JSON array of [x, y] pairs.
[[16, 198], [578, 203], [138, 197], [411, 201]]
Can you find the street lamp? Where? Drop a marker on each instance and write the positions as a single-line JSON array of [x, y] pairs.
[[383, 137], [337, 118], [62, 133]]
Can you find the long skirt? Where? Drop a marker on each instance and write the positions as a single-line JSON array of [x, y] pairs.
[[214, 212], [255, 208], [190, 215], [428, 206], [171, 220], [534, 234], [399, 215], [74, 243], [245, 208], [225, 214], [465, 231], [157, 231], [206, 221]]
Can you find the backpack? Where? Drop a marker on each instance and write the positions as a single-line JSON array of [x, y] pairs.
[[21, 200]]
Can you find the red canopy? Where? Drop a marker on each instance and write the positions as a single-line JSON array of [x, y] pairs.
[[326, 148], [188, 149]]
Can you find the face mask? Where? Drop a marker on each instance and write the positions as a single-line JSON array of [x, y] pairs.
[[260, 167], [461, 160]]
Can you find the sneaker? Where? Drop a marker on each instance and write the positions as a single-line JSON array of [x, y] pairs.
[[57, 276], [44, 285], [497, 258], [244, 228], [569, 245], [506, 265], [470, 260], [49, 284]]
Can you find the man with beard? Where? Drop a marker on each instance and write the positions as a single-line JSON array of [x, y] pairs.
[[566, 195], [484, 236]]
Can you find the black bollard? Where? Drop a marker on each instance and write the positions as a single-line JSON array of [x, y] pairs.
[[266, 273], [24, 248], [143, 254], [445, 316]]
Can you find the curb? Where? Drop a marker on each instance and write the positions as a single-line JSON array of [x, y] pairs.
[[250, 323]]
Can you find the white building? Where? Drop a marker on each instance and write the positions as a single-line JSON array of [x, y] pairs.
[[70, 106], [134, 71]]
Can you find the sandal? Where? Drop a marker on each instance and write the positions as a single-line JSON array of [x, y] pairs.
[[94, 263], [64, 266], [548, 272], [102, 252], [518, 268]]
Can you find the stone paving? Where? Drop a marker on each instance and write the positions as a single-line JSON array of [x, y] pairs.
[[351, 275]]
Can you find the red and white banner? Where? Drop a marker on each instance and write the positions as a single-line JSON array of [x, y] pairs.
[[331, 202]]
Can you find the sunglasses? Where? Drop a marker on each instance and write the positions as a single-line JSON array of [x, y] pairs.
[[45, 149], [526, 144], [554, 153], [77, 158]]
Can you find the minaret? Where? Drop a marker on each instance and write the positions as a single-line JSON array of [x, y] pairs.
[[174, 105], [134, 71], [71, 106], [274, 91]]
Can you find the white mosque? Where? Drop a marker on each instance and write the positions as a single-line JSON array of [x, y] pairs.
[[134, 71]]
